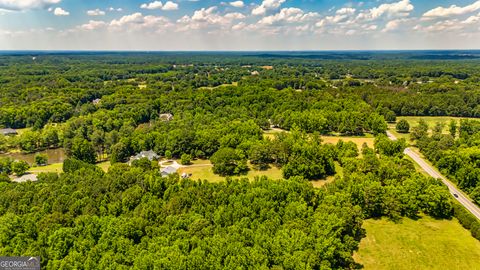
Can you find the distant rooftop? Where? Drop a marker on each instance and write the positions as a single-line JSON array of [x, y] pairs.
[[8, 131]]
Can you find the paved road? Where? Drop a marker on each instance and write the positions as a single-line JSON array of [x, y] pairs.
[[460, 197]]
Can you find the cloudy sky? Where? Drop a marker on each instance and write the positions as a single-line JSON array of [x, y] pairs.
[[239, 25]]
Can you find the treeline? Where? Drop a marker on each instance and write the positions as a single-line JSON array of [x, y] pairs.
[[128, 121], [456, 153], [54, 88]]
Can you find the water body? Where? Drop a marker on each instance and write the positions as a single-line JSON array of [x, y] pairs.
[[54, 156]]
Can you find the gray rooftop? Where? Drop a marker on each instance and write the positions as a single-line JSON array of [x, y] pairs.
[[8, 131], [168, 170]]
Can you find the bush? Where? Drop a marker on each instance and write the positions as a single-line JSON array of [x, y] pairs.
[[467, 220], [228, 161], [403, 126], [41, 160], [186, 159], [20, 167], [4, 178], [168, 154], [71, 165]]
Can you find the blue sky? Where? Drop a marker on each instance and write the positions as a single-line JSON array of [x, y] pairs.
[[238, 25]]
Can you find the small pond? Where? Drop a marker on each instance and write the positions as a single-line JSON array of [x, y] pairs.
[[54, 156]]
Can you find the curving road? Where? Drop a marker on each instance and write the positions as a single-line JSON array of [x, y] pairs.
[[456, 193]]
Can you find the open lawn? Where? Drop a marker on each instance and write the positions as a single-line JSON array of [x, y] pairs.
[[58, 168], [20, 131], [104, 165], [431, 121], [202, 169], [216, 87], [358, 140], [55, 168], [422, 244]]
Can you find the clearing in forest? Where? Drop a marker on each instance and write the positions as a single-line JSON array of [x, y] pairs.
[[417, 244]]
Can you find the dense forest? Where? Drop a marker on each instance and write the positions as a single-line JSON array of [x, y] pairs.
[[109, 107]]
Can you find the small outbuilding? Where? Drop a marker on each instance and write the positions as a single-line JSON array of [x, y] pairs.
[[8, 132], [168, 171], [145, 154], [166, 117]]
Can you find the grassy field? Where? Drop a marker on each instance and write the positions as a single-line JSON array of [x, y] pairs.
[[358, 140], [104, 165], [202, 169], [216, 87], [58, 168], [431, 121], [55, 168], [422, 244]]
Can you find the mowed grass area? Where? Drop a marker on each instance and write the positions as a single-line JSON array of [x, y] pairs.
[[430, 120], [202, 170], [58, 168], [417, 244], [51, 168], [358, 140], [216, 87]]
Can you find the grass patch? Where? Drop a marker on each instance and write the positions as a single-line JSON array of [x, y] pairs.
[[330, 179], [219, 86], [430, 120], [51, 168], [104, 165], [202, 170], [358, 140], [20, 131], [418, 244], [58, 168]]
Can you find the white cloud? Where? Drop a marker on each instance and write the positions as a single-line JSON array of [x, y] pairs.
[[267, 5], [239, 26], [26, 4], [132, 18], [170, 6], [392, 10], [140, 23], [468, 25], [290, 15], [96, 12], [152, 5], [115, 9], [93, 25], [453, 10], [234, 16], [342, 15], [395, 25], [237, 4], [60, 12], [346, 11], [208, 18]]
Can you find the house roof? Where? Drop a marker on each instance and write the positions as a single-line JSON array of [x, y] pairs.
[[146, 154], [169, 170], [8, 131], [166, 116]]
